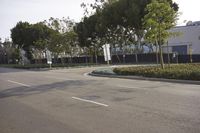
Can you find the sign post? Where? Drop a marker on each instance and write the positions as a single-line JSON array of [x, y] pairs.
[[49, 58], [106, 51]]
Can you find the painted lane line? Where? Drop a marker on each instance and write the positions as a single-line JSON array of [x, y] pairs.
[[129, 87], [51, 77], [19, 83], [89, 101]]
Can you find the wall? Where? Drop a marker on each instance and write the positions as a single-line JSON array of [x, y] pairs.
[[189, 36]]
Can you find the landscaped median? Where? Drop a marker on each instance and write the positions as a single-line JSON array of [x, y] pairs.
[[183, 73]]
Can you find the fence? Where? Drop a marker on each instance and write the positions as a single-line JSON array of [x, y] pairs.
[[119, 59], [126, 59]]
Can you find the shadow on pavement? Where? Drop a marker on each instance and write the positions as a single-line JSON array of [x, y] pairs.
[[11, 70], [25, 91], [14, 70]]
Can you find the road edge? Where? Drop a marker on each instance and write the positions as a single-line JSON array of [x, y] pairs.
[[145, 78]]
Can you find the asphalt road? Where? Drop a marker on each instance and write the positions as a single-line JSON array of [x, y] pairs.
[[68, 101]]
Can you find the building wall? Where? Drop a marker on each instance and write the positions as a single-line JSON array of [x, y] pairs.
[[189, 40]]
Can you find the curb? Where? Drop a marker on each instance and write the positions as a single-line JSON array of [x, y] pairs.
[[146, 78]]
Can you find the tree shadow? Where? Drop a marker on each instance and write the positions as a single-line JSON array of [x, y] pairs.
[[25, 91], [14, 70], [11, 70]]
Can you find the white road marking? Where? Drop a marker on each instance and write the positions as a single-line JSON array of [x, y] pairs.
[[129, 87], [89, 101], [52, 77], [19, 83]]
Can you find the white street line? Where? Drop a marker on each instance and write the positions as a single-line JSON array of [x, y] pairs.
[[126, 87], [89, 101], [52, 77], [19, 83]]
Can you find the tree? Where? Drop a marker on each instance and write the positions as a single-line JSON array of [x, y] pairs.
[[26, 36], [89, 33], [64, 41], [55, 44], [107, 16], [70, 44], [60, 25], [10, 52], [160, 18], [41, 32], [21, 37]]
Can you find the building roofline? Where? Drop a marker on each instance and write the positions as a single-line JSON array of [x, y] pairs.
[[187, 26]]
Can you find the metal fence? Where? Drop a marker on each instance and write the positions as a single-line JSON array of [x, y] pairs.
[[126, 59], [120, 59]]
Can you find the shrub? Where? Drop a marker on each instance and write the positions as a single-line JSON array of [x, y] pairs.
[[36, 66], [182, 71]]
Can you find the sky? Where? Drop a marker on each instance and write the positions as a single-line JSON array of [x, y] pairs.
[[189, 10], [33, 11]]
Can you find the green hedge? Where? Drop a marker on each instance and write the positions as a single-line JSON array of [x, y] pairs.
[[36, 66], [182, 71]]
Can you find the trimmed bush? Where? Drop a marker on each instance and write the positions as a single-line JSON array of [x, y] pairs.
[[36, 66], [182, 71]]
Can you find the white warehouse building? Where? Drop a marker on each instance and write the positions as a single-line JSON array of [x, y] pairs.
[[188, 40]]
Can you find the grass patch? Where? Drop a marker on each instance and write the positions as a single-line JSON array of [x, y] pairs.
[[181, 71], [107, 71]]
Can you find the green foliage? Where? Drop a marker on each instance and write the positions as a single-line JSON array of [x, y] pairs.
[[10, 51], [70, 41], [62, 35], [89, 29], [112, 14], [29, 36], [56, 35], [107, 71], [19, 34], [60, 25], [37, 66], [55, 44], [160, 18], [182, 71], [64, 39]]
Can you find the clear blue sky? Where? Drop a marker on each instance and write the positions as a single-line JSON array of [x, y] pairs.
[[13, 11]]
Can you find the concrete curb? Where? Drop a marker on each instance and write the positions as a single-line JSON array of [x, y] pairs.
[[146, 78]]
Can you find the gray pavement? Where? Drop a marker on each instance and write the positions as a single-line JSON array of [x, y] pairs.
[[69, 101]]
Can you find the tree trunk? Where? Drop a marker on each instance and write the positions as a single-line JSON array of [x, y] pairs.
[[168, 56], [138, 48], [157, 53], [117, 54], [96, 58], [86, 55], [161, 57]]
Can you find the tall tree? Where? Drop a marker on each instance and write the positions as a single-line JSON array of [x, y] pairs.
[[103, 23], [25, 36], [160, 18], [60, 25], [59, 42], [21, 37], [10, 52]]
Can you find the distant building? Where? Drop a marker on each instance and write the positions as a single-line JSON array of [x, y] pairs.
[[188, 42]]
